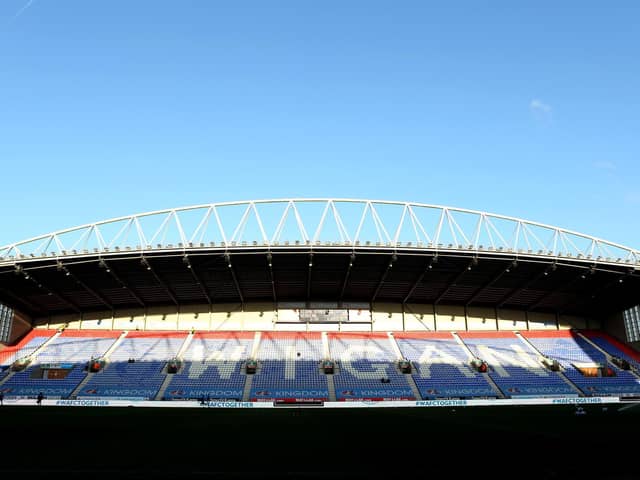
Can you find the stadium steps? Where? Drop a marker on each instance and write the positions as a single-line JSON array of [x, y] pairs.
[[246, 393], [165, 384], [494, 385], [255, 348], [105, 357], [34, 354], [394, 346], [470, 355], [256, 345], [7, 377], [594, 345], [331, 387], [185, 345], [408, 377], [486, 376], [115, 345], [560, 374], [81, 385], [606, 354], [325, 345]]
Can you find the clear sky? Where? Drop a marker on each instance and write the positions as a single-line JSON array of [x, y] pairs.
[[529, 109]]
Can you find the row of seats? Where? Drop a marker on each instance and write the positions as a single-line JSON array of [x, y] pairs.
[[289, 366]]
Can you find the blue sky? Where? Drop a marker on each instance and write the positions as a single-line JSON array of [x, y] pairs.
[[527, 109]]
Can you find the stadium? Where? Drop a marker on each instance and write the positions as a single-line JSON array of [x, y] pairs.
[[326, 335]]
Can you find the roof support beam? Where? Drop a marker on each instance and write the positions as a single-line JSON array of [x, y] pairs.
[[25, 303], [596, 293], [147, 264], [109, 269], [525, 285], [454, 282], [384, 276], [196, 277], [272, 279], [93, 292], [540, 301], [479, 291], [234, 279], [352, 259], [309, 276], [418, 281], [67, 301]]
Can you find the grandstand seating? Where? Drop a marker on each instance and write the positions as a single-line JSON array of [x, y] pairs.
[[615, 348], [572, 351], [514, 367], [367, 368], [60, 366], [441, 366], [289, 367], [135, 367], [212, 367]]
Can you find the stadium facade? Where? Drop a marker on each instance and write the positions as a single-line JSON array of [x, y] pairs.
[[459, 269], [373, 288]]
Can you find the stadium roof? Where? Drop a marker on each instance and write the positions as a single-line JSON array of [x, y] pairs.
[[319, 250]]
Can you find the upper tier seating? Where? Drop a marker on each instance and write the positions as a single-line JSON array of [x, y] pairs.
[[212, 367], [289, 367], [441, 367], [367, 368]]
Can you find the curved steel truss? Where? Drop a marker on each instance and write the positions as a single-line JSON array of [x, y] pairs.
[[321, 224]]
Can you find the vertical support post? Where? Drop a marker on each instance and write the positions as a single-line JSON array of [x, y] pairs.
[[435, 319], [466, 319]]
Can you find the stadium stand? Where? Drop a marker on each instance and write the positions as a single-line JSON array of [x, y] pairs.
[[583, 364], [615, 348], [366, 368], [135, 368], [514, 366], [212, 367], [289, 367], [59, 366], [442, 366]]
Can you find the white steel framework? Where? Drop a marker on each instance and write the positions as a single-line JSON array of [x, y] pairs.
[[318, 224]]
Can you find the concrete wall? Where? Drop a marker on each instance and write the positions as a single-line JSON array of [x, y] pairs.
[[386, 317], [196, 317], [129, 319], [566, 322], [512, 320], [59, 321], [161, 318], [450, 318], [542, 321], [97, 321], [479, 318], [288, 315], [419, 317], [354, 327]]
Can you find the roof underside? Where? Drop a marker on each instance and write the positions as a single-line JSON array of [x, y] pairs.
[[93, 283]]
